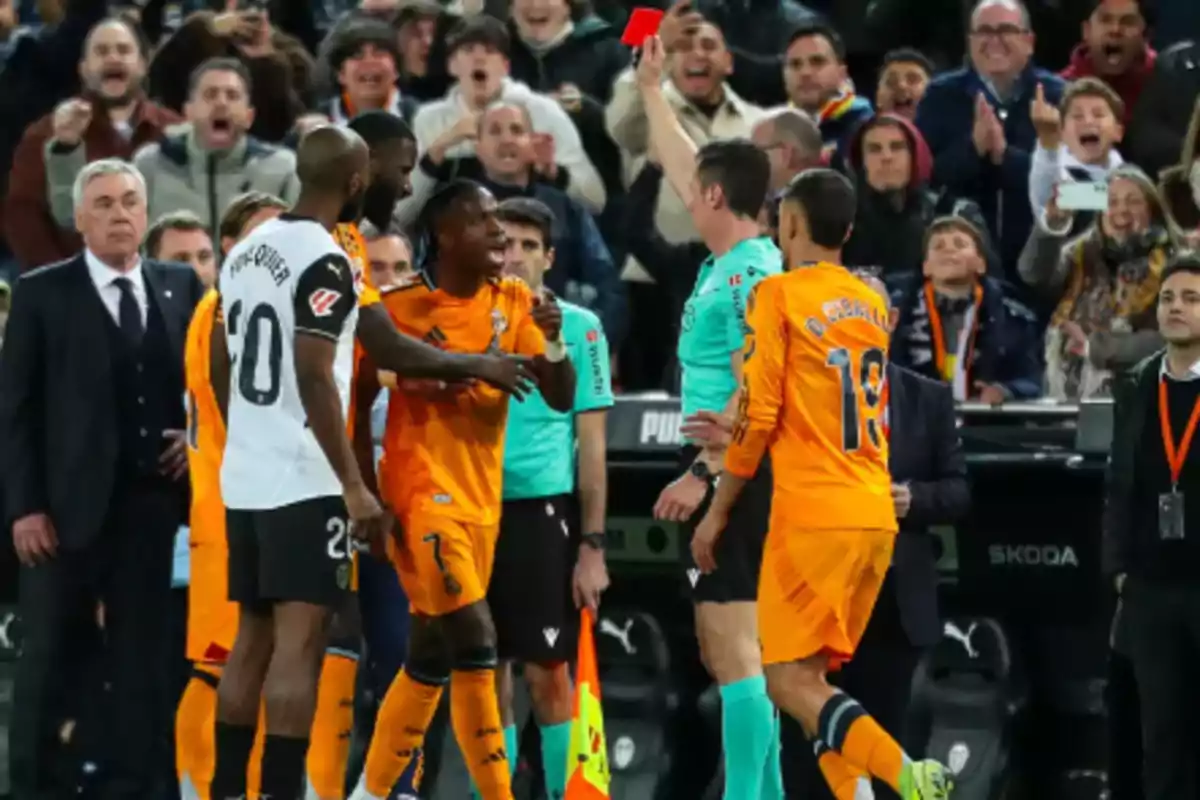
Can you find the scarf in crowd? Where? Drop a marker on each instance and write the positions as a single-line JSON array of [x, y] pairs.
[[927, 344], [837, 107], [1112, 287], [342, 109]]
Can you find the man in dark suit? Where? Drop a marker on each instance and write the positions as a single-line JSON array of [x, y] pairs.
[[93, 466], [929, 477]]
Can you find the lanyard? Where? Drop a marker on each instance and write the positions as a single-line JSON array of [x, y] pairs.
[[939, 340], [1175, 457]]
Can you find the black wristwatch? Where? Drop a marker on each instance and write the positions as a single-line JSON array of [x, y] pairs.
[[700, 470], [593, 540]]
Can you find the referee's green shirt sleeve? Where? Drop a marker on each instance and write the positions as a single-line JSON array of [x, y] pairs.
[[593, 375]]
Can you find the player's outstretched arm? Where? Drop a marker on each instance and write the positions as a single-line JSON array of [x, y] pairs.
[[393, 351]]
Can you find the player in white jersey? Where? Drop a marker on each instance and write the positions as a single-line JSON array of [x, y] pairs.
[[291, 485]]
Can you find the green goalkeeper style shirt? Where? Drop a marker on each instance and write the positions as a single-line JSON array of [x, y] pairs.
[[714, 321], [539, 444]]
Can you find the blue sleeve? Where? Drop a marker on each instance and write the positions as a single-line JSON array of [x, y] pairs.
[[596, 269], [1022, 370], [589, 353], [1014, 169], [955, 160]]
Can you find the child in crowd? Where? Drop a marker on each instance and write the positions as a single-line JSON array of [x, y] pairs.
[[1077, 142], [956, 324]]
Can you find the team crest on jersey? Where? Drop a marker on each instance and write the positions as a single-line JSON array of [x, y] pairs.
[[451, 585], [499, 322], [322, 301]]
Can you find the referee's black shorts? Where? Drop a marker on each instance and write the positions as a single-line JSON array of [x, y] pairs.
[[530, 591], [739, 550]]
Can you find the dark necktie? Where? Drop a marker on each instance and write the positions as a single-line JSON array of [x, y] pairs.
[[129, 315]]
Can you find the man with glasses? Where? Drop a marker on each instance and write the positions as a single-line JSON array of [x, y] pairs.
[[976, 121]]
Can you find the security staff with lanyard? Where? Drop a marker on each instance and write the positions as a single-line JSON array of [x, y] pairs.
[[1152, 533], [724, 184]]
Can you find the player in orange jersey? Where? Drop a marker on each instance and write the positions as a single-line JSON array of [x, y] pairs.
[[444, 454], [212, 619], [812, 393]]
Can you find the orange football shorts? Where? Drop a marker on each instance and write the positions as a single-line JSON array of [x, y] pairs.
[[817, 589], [444, 564]]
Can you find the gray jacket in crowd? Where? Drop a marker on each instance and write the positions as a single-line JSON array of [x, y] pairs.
[[181, 176]]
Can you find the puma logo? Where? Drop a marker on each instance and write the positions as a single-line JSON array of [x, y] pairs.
[[952, 631], [609, 628], [335, 268]]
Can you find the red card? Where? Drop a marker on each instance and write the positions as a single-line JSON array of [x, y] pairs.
[[643, 23]]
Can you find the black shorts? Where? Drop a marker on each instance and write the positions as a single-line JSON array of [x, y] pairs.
[[300, 553], [740, 548], [530, 593]]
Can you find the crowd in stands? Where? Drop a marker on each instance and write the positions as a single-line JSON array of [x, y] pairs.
[[934, 113]]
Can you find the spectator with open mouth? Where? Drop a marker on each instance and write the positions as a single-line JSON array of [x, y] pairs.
[[446, 129], [363, 59], [201, 167], [110, 117], [902, 81], [1077, 141], [1114, 49]]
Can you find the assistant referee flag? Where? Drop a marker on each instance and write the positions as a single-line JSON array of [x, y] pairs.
[[587, 758]]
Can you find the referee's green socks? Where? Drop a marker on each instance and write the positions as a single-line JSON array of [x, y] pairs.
[[750, 738], [556, 740]]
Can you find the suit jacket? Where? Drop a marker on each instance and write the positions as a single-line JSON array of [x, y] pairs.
[[926, 452], [58, 434]]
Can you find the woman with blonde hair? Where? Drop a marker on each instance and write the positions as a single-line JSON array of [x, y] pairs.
[[1102, 284]]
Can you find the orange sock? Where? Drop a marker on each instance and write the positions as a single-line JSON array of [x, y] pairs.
[[869, 747], [404, 716], [475, 716], [846, 728], [329, 742], [844, 780], [194, 748]]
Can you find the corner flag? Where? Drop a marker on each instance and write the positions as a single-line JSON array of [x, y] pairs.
[[587, 758]]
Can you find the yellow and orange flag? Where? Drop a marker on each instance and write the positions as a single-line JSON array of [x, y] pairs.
[[587, 758]]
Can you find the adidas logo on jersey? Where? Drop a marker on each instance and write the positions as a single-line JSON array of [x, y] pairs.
[[551, 635], [693, 576], [435, 337]]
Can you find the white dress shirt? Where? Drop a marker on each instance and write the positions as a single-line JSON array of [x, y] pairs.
[[104, 277]]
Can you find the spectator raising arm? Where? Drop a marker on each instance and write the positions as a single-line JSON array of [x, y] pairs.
[[675, 150]]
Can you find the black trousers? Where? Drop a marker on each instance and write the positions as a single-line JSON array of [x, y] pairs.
[[1124, 730], [128, 569], [879, 677], [1164, 644]]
